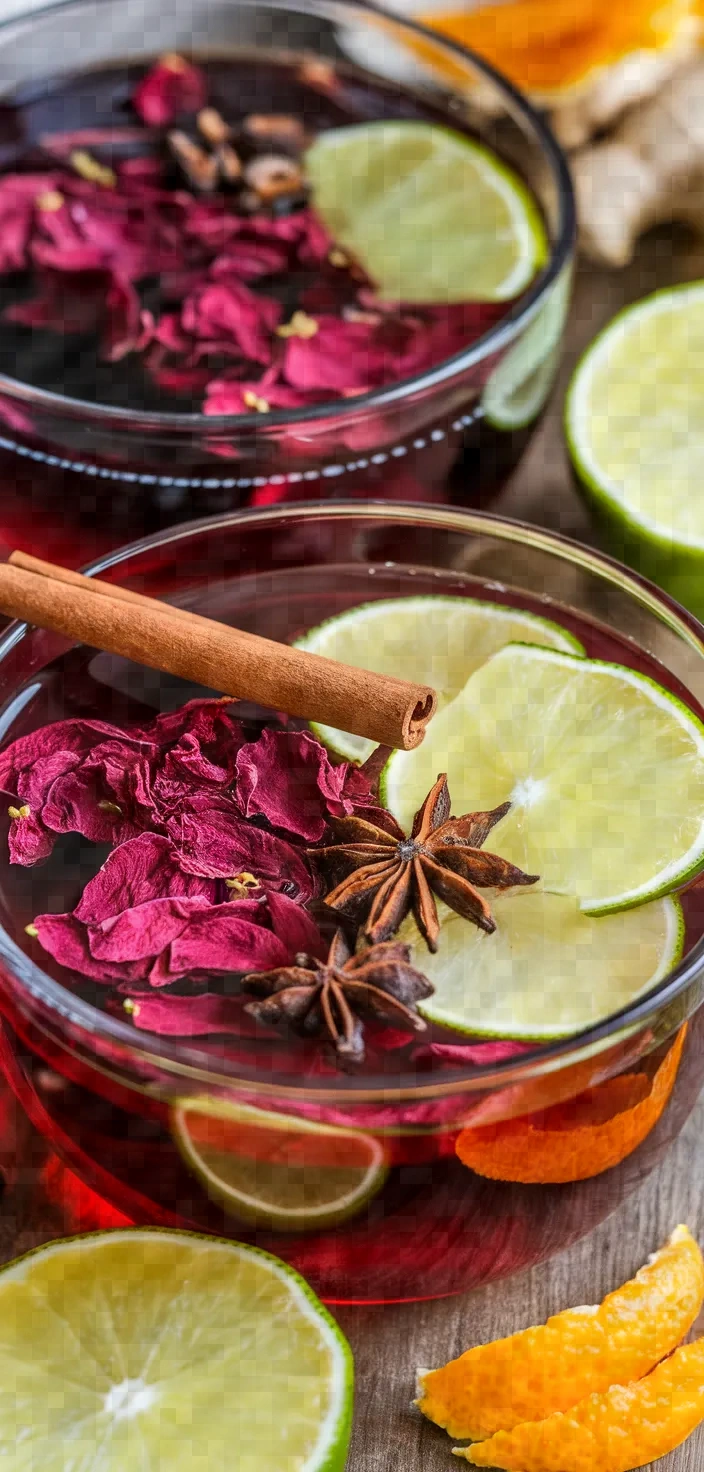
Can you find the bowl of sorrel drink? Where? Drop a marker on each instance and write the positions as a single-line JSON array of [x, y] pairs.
[[239, 268], [244, 991]]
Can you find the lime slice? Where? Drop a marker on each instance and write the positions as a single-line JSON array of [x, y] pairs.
[[636, 436], [432, 216], [603, 768], [436, 641], [518, 389], [548, 970], [291, 1175], [155, 1349]]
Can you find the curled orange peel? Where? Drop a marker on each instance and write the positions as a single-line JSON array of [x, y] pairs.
[[579, 1353], [578, 1139], [625, 1428], [551, 48]]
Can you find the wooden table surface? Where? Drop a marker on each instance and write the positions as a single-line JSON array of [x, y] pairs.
[[389, 1436]]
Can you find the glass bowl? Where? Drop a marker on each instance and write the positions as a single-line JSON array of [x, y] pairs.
[[111, 1100], [453, 432]]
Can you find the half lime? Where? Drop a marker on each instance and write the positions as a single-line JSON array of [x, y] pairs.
[[435, 640], [636, 437], [154, 1349], [431, 215]]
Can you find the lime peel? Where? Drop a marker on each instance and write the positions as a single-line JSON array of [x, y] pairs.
[[595, 370], [156, 1267]]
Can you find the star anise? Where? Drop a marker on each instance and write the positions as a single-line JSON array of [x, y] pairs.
[[388, 875], [331, 997]]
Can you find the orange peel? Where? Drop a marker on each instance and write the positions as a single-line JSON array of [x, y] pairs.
[[554, 48], [579, 1353], [627, 1427], [578, 1139]]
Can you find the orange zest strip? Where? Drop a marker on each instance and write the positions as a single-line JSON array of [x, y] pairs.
[[626, 1428], [549, 47], [579, 1353], [578, 1139]]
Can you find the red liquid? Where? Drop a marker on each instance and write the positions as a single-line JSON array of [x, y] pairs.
[[433, 1227], [133, 483]]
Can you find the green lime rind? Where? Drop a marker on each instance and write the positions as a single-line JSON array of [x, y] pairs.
[[418, 666], [482, 699], [669, 557], [433, 216], [478, 1023], [330, 1451], [519, 387], [265, 1213]]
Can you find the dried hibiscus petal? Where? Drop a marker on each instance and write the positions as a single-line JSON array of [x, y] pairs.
[[231, 310], [288, 778], [172, 87], [233, 396], [215, 841]]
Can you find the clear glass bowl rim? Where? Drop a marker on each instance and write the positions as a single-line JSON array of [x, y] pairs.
[[186, 1058], [344, 412]]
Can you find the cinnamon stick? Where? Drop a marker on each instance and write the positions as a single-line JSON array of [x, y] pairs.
[[95, 585], [245, 666]]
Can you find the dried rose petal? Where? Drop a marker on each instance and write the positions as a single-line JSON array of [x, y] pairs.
[[477, 1054], [249, 259], [172, 87], [142, 869], [66, 940], [341, 356], [189, 1017], [226, 396], [232, 311], [215, 841], [287, 777]]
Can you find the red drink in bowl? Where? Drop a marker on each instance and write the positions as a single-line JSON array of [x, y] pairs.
[[355, 1175], [174, 344]]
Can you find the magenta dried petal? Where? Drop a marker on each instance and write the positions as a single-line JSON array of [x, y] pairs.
[[67, 941], [248, 260], [223, 938], [28, 841], [217, 842], [73, 805], [287, 776], [190, 1017], [476, 1054], [224, 396], [142, 869], [232, 312], [209, 720], [341, 356], [294, 926], [171, 87], [146, 930], [124, 331]]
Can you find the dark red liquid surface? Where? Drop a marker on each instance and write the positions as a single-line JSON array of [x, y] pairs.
[[451, 453], [433, 1227]]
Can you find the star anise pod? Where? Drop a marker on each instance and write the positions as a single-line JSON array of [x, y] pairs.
[[388, 874], [330, 997]]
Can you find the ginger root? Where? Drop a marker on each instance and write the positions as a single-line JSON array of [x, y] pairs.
[[586, 61], [650, 171]]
